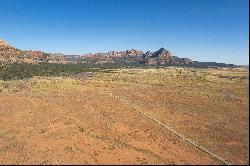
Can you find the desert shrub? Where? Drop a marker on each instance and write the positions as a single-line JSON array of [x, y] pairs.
[[21, 71]]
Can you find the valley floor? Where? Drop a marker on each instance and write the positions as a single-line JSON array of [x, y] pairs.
[[73, 120]]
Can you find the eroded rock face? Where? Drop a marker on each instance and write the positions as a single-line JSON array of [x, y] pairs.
[[113, 57], [162, 53], [162, 56], [131, 52]]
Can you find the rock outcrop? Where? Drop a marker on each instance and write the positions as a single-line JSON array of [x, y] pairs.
[[112, 57], [161, 57], [9, 54]]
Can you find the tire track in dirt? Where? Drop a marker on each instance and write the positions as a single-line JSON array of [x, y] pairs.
[[184, 138]]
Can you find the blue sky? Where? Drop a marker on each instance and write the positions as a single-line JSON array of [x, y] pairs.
[[203, 30]]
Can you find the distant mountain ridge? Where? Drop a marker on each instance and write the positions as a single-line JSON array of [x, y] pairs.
[[162, 56], [159, 57]]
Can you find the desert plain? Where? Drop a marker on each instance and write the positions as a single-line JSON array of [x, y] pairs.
[[75, 120]]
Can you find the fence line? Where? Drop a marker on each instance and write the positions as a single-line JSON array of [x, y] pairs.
[[200, 147]]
